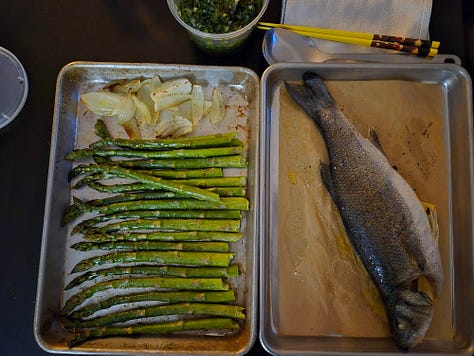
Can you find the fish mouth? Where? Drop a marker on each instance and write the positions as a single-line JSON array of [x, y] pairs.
[[409, 313]]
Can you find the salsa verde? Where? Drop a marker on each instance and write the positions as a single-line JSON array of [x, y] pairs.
[[218, 16]]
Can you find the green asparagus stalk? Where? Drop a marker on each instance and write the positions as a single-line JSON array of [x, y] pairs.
[[87, 180], [174, 271], [183, 258], [213, 172], [101, 130], [128, 188], [202, 182], [217, 284], [167, 236], [232, 203], [205, 182], [152, 246], [164, 173], [214, 182], [165, 154], [139, 187], [146, 195], [149, 225], [163, 297], [157, 214], [221, 310], [156, 328], [78, 208], [165, 144], [102, 160], [189, 191], [236, 161], [228, 192]]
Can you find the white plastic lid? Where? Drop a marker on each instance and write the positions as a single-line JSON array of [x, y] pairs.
[[13, 87]]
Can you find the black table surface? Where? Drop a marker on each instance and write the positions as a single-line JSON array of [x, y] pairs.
[[45, 36]]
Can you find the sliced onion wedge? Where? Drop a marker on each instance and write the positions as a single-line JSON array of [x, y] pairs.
[[144, 94], [155, 83], [183, 110], [197, 104], [131, 128], [103, 102], [124, 86], [125, 110], [142, 113], [171, 125], [217, 110], [169, 101], [172, 87], [206, 107]]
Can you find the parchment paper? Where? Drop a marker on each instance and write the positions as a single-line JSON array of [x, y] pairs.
[[324, 290]]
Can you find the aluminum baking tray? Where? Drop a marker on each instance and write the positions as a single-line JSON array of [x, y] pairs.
[[72, 128], [311, 298]]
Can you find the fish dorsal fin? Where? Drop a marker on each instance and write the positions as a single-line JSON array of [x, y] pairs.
[[374, 138]]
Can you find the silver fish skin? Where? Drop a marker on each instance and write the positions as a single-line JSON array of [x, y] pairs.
[[382, 215]]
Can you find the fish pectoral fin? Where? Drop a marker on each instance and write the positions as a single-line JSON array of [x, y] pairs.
[[374, 138], [426, 286], [434, 276], [409, 313], [430, 210], [327, 179]]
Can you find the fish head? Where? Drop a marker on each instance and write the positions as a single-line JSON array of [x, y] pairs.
[[409, 313]]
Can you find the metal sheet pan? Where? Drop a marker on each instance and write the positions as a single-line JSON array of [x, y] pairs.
[[72, 128], [286, 327]]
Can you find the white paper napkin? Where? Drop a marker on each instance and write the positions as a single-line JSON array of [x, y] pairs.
[[409, 18]]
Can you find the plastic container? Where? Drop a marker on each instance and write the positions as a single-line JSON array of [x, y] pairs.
[[13, 87], [218, 43]]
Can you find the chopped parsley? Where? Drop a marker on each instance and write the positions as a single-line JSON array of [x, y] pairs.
[[216, 16]]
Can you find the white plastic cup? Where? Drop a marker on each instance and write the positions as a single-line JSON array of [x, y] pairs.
[[218, 43]]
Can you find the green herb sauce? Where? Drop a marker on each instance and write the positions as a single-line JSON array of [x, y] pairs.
[[217, 16]]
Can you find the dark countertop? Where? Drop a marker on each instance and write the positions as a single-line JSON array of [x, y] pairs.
[[45, 36]]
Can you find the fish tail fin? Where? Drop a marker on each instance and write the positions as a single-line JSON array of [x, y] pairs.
[[313, 96], [320, 91], [409, 314]]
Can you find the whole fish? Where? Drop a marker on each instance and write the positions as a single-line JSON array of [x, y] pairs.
[[384, 219]]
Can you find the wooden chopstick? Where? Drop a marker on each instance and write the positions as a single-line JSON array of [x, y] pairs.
[[418, 47]]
